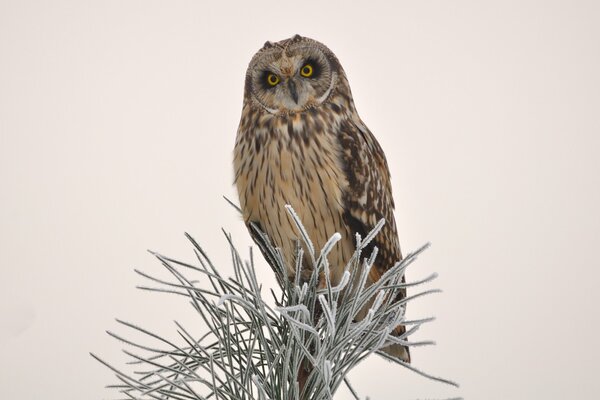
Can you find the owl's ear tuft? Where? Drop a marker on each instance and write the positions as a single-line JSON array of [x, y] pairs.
[[268, 44], [297, 38]]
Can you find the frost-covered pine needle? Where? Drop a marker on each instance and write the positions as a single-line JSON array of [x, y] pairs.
[[254, 351]]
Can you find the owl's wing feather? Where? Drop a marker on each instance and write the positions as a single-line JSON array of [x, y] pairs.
[[368, 197]]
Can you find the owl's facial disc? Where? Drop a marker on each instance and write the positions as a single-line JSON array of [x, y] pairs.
[[291, 78], [291, 83]]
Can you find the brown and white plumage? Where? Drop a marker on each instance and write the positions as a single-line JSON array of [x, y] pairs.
[[301, 142]]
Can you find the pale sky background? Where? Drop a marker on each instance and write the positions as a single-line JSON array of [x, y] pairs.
[[117, 123]]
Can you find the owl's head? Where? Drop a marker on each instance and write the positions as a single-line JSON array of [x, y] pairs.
[[292, 75]]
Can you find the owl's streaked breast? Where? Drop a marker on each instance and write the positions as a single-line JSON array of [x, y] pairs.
[[294, 160]]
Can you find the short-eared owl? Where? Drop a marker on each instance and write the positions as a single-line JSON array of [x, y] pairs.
[[301, 142]]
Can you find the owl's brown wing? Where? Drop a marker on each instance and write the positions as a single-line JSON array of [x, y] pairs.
[[369, 195], [369, 199]]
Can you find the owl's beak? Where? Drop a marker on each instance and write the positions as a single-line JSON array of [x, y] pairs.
[[293, 92]]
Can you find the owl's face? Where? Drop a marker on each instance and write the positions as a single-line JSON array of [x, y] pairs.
[[292, 75]]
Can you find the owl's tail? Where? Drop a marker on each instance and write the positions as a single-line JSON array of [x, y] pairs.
[[397, 350]]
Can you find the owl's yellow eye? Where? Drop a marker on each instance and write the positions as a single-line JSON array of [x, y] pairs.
[[307, 71], [273, 79]]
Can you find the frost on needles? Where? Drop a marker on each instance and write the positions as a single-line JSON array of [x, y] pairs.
[[252, 350]]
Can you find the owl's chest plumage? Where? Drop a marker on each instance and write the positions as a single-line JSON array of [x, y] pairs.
[[295, 160]]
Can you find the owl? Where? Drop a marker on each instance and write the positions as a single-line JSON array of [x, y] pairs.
[[301, 142]]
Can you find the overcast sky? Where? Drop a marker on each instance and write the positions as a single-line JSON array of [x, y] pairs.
[[117, 124]]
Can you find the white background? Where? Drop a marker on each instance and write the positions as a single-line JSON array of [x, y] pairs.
[[117, 123]]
